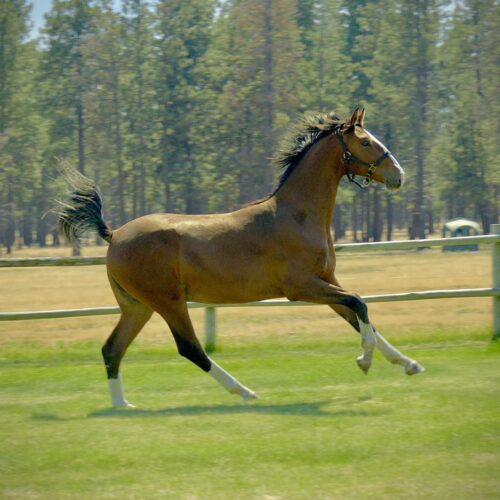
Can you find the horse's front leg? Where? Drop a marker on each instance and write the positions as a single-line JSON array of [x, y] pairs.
[[321, 292], [390, 353], [355, 311]]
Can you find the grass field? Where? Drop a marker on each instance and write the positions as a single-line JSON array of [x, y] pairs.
[[321, 429]]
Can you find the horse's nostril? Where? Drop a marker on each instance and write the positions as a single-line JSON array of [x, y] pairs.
[[394, 184]]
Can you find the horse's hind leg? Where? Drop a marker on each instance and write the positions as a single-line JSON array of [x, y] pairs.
[[394, 356], [134, 316], [177, 317]]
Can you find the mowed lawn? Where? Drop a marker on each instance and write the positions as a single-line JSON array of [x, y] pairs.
[[321, 429]]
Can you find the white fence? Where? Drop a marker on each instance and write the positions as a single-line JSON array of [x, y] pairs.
[[211, 309]]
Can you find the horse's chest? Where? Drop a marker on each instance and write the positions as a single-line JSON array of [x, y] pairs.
[[320, 258]]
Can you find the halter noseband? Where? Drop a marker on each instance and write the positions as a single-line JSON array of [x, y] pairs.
[[347, 157]]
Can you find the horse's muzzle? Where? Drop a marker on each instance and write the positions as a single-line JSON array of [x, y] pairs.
[[396, 178]]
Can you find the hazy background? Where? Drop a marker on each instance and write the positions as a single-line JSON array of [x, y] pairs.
[[178, 105]]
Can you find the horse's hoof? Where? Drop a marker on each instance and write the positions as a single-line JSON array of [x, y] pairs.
[[364, 364], [413, 368], [124, 404], [249, 395]]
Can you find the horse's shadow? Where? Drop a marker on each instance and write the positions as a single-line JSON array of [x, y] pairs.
[[315, 408]]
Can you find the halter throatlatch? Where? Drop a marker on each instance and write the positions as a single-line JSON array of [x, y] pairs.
[[347, 157]]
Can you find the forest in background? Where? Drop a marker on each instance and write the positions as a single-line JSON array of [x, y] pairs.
[[178, 105]]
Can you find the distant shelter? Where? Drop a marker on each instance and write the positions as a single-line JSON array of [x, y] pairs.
[[460, 227]]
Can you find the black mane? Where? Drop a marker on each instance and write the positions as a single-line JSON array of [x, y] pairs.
[[304, 134]]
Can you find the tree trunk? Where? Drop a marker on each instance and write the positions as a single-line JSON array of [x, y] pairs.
[[367, 222], [28, 231], [268, 110], [378, 225], [41, 230], [41, 233], [56, 239], [485, 215], [142, 189], [422, 72], [338, 225], [355, 219], [389, 214], [135, 190], [76, 249], [10, 228], [169, 205], [81, 137], [430, 217], [190, 195], [118, 137]]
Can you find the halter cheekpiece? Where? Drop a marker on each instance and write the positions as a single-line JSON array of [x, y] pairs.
[[347, 157]]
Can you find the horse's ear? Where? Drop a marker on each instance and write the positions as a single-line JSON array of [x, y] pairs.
[[361, 117], [354, 117]]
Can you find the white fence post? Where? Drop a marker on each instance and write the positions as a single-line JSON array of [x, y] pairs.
[[210, 328], [495, 229]]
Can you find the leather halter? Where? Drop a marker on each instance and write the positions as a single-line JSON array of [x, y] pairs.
[[347, 157]]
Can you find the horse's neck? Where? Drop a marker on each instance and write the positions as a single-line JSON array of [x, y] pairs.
[[311, 189]]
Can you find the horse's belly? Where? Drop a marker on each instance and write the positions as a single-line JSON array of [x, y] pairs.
[[224, 293], [231, 287], [231, 296]]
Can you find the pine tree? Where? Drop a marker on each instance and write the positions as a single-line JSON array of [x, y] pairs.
[[182, 32], [15, 117], [104, 55], [63, 87], [139, 94], [400, 68], [468, 99], [67, 26], [360, 23], [259, 91]]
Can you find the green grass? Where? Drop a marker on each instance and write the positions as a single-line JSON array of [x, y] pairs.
[[320, 430]]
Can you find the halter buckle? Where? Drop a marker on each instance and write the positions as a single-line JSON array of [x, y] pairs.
[[369, 174]]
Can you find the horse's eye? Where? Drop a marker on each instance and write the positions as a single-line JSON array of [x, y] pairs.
[[366, 143]]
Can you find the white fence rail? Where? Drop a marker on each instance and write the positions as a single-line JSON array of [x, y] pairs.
[[210, 309]]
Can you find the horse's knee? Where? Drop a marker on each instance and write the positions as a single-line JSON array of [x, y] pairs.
[[193, 352]]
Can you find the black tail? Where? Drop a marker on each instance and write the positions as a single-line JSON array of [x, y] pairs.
[[82, 211]]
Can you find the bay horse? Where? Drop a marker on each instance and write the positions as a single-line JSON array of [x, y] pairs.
[[280, 246]]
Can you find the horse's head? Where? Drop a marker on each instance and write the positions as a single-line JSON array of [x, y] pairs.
[[366, 156]]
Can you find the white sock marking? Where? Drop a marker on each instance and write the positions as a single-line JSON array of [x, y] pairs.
[[389, 351], [229, 382], [411, 366], [116, 392], [367, 334], [368, 341]]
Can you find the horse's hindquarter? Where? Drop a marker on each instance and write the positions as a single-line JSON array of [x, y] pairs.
[[143, 257]]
